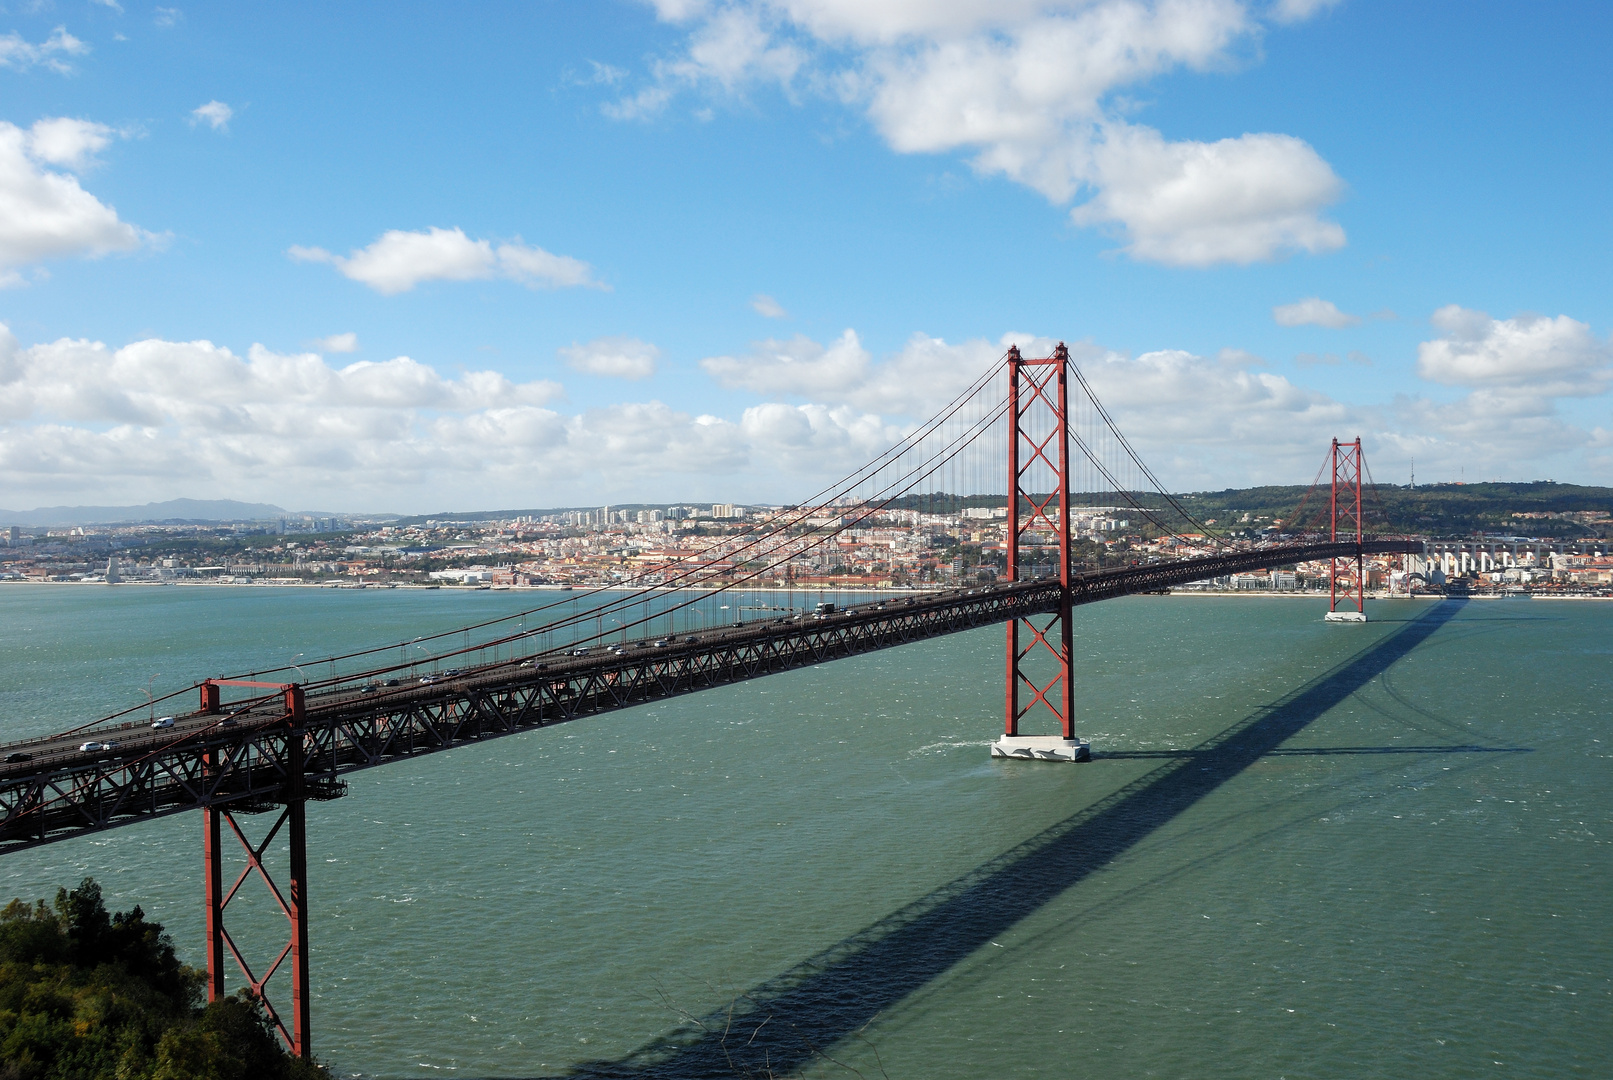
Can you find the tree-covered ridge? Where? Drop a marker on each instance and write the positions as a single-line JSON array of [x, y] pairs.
[[87, 995], [1541, 509]]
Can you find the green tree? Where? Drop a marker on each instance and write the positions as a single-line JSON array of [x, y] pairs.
[[87, 995]]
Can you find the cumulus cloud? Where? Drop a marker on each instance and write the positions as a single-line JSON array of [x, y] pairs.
[[1027, 87], [399, 260], [215, 114], [1198, 421], [1313, 311], [798, 366], [336, 343], [156, 382], [44, 213], [67, 142], [767, 307], [1516, 372], [1197, 417], [156, 418], [616, 357], [1533, 354], [1242, 200], [17, 53]]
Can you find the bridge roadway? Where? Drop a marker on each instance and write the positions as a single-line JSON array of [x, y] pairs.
[[51, 789]]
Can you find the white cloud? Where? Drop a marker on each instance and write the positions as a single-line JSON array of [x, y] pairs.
[[167, 16], [923, 376], [732, 46], [1198, 421], [154, 382], [1531, 354], [1292, 11], [15, 52], [1240, 358], [1026, 87], [1509, 424], [399, 260], [157, 419], [1243, 200], [604, 74], [67, 142], [113, 4], [215, 114], [45, 213], [799, 366], [336, 343], [616, 357], [81, 420], [767, 307], [1313, 311]]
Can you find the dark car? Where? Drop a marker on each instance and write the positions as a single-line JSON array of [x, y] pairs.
[[18, 755]]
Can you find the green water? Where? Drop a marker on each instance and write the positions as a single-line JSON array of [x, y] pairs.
[[1303, 850]]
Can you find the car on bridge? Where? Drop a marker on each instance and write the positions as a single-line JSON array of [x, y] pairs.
[[94, 747], [162, 722]]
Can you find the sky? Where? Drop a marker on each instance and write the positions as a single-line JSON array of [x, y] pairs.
[[422, 257]]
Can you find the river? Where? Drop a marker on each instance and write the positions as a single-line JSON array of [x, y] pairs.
[[1302, 850]]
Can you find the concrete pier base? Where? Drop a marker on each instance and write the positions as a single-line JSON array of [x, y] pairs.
[[1346, 616], [1042, 748]]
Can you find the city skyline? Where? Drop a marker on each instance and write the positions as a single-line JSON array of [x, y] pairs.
[[404, 261]]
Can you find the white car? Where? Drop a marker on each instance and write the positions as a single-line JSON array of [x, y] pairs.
[[91, 747], [162, 722]]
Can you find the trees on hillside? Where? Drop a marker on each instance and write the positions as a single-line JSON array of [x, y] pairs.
[[87, 995]]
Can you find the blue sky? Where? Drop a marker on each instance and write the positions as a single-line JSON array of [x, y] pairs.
[[411, 257]]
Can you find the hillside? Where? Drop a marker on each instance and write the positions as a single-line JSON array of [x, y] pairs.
[[1566, 511]]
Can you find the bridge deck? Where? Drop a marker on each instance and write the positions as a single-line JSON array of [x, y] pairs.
[[238, 758]]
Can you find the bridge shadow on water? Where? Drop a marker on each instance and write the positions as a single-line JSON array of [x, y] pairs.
[[797, 1017], [1320, 751]]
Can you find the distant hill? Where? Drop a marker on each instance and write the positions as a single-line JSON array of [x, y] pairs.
[[174, 510], [1449, 510], [509, 515], [1432, 510]]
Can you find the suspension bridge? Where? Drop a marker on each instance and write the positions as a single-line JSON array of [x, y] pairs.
[[271, 741]]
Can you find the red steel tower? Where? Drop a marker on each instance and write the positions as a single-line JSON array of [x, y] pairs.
[[1039, 647], [293, 902], [1346, 505]]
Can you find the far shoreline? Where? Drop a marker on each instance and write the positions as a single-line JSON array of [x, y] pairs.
[[353, 586]]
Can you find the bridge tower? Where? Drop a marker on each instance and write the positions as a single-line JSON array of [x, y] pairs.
[[1039, 647], [293, 902], [1346, 508]]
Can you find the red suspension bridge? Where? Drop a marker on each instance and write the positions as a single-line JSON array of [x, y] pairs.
[[269, 743]]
